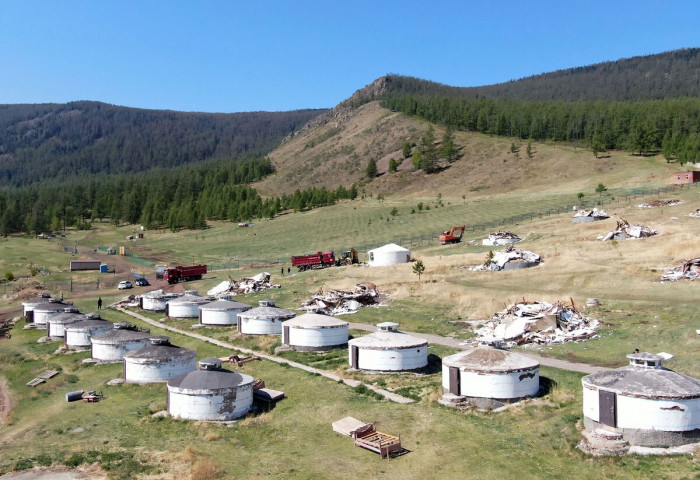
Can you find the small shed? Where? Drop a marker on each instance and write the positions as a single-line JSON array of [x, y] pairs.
[[186, 306], [489, 377], [156, 300], [111, 346], [55, 324], [222, 313], [266, 319], [158, 362], [312, 331], [78, 334], [390, 254], [388, 349], [648, 404], [77, 265], [690, 176], [210, 393], [43, 311]]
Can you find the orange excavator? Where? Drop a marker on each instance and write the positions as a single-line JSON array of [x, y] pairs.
[[452, 236]]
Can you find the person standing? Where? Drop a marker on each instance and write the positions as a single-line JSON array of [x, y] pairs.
[[99, 303]]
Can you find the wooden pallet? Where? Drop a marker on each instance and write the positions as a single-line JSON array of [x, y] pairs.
[[42, 377], [34, 382]]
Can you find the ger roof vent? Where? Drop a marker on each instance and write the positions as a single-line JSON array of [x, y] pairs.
[[267, 303], [160, 340], [210, 363], [194, 293], [646, 360], [388, 327], [94, 316], [71, 309], [123, 326]]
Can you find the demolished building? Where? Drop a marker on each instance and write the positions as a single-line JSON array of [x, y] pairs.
[[585, 216], [660, 203], [688, 270], [625, 231], [500, 238], [538, 323], [341, 302], [242, 286], [509, 259]]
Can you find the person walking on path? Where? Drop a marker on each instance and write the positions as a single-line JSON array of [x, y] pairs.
[[99, 303]]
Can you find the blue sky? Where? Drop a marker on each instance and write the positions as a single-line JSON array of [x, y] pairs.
[[233, 56]]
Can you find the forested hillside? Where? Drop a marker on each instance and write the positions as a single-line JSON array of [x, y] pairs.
[[65, 141], [650, 77]]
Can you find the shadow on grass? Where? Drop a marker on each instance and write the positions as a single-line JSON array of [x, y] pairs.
[[546, 386]]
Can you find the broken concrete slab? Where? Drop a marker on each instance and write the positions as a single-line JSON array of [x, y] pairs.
[[688, 270], [500, 238], [509, 259], [660, 203], [341, 302], [584, 216], [625, 231], [242, 286]]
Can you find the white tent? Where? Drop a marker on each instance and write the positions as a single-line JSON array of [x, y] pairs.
[[390, 254]]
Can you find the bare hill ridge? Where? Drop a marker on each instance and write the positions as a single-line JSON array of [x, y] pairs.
[[336, 152]]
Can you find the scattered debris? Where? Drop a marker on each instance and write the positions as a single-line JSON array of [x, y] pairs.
[[538, 322], [584, 216], [340, 302], [509, 259], [625, 231], [689, 269], [242, 286], [42, 377], [132, 301], [695, 214], [93, 397], [500, 238], [660, 203], [367, 436]]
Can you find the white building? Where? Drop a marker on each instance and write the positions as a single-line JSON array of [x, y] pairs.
[[55, 324], [222, 313], [388, 349], [78, 334], [312, 331], [266, 319], [489, 377], [158, 362], [186, 306], [29, 306], [210, 393], [390, 254], [648, 404], [41, 312], [155, 301], [112, 345]]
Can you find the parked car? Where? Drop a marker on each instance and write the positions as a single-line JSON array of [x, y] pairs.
[[124, 284], [141, 282]]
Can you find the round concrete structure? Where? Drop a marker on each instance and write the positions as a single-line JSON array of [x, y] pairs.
[[55, 324], [43, 311], [111, 346], [263, 320], [79, 334], [490, 377], [29, 305], [155, 301], [158, 362], [210, 393], [390, 254], [388, 350], [186, 306], [651, 406], [222, 313], [312, 331]]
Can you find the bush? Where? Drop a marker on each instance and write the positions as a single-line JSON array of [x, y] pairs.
[[9, 276], [24, 464]]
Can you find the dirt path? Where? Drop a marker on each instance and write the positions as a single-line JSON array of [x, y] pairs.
[[5, 401], [454, 343], [347, 381]]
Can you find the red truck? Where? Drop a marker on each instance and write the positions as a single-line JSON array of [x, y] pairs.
[[184, 274], [314, 260]]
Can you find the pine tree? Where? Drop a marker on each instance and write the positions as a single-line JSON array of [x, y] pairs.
[[371, 169]]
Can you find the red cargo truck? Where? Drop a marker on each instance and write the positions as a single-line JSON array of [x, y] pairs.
[[184, 274], [314, 260]]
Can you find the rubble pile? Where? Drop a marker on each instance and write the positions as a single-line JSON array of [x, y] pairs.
[[500, 238], [584, 216], [689, 269], [660, 203], [509, 259], [538, 323], [131, 301], [625, 230], [695, 214], [257, 283], [340, 302]]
